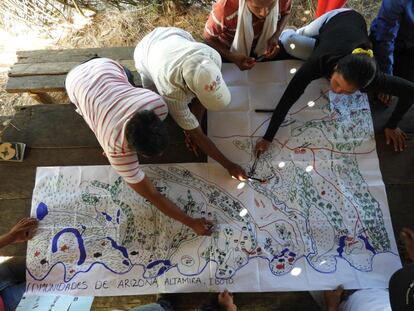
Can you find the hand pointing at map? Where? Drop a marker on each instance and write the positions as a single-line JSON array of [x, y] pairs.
[[21, 232], [202, 226], [261, 147]]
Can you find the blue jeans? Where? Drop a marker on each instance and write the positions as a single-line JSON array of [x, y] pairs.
[[12, 282], [300, 43]]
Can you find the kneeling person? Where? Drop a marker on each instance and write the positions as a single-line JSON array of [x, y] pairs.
[[127, 122]]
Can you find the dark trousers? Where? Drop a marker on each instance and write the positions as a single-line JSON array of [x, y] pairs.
[[404, 64], [404, 68], [12, 282]]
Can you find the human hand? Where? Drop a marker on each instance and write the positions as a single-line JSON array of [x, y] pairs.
[[190, 144], [237, 172], [225, 299], [244, 62], [23, 231], [273, 47], [407, 236], [384, 99], [397, 137], [333, 298], [201, 226], [261, 147]]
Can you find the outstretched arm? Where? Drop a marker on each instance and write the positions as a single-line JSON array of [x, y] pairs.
[[403, 89], [146, 189], [20, 232], [303, 77], [208, 147]]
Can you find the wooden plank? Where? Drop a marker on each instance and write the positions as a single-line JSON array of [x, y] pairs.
[[19, 182], [49, 126], [73, 55], [36, 84], [396, 167], [46, 83], [400, 200], [52, 68]]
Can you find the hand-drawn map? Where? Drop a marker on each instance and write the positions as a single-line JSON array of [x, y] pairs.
[[321, 219]]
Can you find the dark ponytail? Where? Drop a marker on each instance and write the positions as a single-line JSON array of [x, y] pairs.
[[359, 69]]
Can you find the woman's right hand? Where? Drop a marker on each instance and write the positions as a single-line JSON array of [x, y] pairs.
[[261, 147]]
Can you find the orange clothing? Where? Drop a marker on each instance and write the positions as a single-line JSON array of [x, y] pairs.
[[328, 5], [222, 21]]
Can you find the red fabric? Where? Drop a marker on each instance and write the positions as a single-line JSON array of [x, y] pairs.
[[328, 5], [1, 304], [222, 21]]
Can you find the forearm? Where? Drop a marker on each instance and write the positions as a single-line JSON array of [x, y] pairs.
[[208, 147], [198, 109], [400, 110], [399, 87], [5, 240], [170, 209], [146, 189], [295, 89], [281, 25]]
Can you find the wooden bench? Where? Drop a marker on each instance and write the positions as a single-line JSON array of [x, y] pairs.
[[42, 71]]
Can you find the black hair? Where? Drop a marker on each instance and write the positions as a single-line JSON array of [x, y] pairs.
[[358, 69], [146, 133]]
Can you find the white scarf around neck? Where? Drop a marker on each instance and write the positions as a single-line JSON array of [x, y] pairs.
[[244, 36]]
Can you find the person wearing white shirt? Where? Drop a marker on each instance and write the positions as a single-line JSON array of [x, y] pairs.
[[185, 71]]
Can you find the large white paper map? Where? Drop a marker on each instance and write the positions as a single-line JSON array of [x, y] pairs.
[[321, 219]]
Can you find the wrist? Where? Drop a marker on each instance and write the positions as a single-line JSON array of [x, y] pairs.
[[232, 57], [232, 307], [7, 239], [188, 221], [275, 37], [227, 164]]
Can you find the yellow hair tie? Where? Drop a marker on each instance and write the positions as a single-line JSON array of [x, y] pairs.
[[368, 52]]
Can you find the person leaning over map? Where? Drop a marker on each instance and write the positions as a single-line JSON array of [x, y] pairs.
[[244, 31], [186, 72], [342, 54], [127, 122]]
